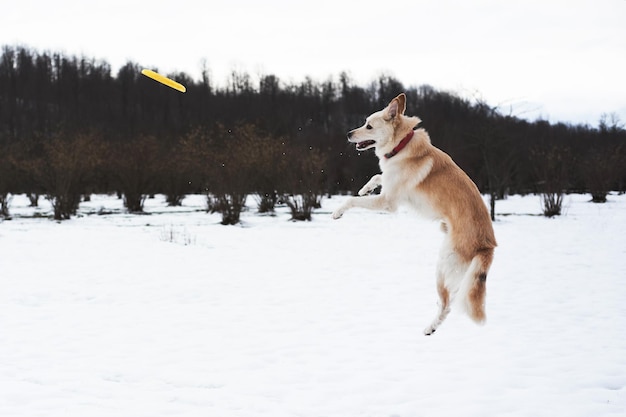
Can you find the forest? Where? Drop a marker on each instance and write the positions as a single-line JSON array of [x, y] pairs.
[[69, 127]]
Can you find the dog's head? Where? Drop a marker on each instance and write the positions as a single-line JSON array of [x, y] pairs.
[[380, 129]]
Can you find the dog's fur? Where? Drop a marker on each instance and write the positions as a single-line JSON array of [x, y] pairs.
[[426, 179]]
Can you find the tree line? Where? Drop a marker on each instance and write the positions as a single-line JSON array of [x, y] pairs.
[[69, 127]]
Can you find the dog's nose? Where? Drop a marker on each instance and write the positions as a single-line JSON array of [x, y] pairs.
[[349, 134]]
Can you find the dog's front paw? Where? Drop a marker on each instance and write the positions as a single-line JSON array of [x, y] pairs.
[[365, 190], [371, 185], [348, 204]]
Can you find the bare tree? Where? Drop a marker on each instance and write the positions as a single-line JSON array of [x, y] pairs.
[[499, 154]]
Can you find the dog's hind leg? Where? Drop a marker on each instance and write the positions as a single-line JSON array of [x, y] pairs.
[[444, 305], [450, 271]]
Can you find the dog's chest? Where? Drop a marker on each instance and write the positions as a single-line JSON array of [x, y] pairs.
[[405, 173], [420, 202], [402, 185]]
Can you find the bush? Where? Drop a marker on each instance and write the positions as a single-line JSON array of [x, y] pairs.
[[229, 205], [64, 171], [266, 202], [552, 203], [269, 166], [552, 173], [601, 169], [179, 172], [5, 202], [229, 167], [304, 182], [302, 205], [135, 166], [8, 181], [233, 163]]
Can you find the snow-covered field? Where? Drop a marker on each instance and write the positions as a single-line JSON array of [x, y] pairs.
[[172, 314]]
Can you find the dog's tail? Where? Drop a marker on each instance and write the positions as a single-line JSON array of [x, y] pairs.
[[474, 285]]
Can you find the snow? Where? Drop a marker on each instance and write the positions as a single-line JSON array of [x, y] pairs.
[[173, 314]]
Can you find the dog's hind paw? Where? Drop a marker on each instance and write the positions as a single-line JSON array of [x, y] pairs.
[[337, 214], [429, 330]]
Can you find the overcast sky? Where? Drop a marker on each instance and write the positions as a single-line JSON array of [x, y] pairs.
[[558, 60]]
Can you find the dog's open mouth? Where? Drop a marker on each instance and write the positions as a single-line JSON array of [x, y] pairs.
[[365, 144]]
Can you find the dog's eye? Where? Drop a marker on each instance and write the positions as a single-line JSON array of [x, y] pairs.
[[368, 126]]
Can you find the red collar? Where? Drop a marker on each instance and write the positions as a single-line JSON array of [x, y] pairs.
[[401, 145]]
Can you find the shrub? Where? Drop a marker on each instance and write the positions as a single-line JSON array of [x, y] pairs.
[[269, 166], [266, 202], [5, 202], [135, 165], [304, 182], [552, 173], [65, 170], [601, 169], [178, 172], [230, 172], [229, 205], [302, 205], [552, 203], [233, 163], [8, 181]]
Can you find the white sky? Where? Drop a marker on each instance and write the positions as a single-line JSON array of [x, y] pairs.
[[559, 60]]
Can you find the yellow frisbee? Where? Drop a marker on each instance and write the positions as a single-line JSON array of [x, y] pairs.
[[164, 80]]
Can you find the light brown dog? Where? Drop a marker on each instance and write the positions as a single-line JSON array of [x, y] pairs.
[[417, 174]]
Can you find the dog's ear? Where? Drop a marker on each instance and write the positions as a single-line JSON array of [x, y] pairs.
[[396, 106]]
